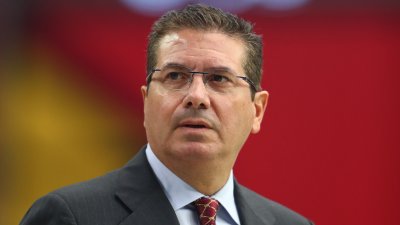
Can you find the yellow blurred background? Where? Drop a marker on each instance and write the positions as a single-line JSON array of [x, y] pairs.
[[55, 130]]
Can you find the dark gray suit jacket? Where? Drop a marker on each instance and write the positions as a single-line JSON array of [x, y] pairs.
[[132, 195]]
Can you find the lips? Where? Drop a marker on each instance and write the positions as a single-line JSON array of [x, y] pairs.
[[195, 124]]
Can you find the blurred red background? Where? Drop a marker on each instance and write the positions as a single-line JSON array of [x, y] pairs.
[[71, 108]]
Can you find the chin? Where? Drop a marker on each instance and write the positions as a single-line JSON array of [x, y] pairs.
[[195, 150]]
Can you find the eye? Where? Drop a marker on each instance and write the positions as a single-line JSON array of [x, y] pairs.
[[175, 75], [217, 78]]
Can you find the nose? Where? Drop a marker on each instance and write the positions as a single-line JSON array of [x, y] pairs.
[[197, 94]]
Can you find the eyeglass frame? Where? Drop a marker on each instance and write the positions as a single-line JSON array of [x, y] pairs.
[[246, 79]]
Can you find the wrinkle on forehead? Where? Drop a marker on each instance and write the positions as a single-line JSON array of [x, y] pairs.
[[196, 49], [173, 38], [170, 40]]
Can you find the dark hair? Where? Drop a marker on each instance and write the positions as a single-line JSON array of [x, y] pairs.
[[207, 18]]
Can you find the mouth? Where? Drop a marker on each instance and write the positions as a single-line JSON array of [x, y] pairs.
[[195, 124]]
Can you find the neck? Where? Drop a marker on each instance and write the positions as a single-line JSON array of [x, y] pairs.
[[204, 183], [206, 173], [207, 178]]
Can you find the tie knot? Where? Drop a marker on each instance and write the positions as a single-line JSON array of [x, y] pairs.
[[207, 208]]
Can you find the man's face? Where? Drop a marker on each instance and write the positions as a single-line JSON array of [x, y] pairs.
[[198, 124]]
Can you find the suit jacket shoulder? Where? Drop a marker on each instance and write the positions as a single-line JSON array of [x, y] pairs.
[[125, 196], [256, 209], [78, 203]]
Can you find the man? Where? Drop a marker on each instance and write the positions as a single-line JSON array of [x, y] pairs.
[[201, 101]]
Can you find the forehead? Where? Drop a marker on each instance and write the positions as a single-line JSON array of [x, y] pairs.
[[200, 50]]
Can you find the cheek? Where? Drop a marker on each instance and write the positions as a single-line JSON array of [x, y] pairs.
[[227, 116], [237, 117], [156, 122], [159, 110]]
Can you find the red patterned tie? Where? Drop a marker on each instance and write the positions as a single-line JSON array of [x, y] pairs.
[[207, 208]]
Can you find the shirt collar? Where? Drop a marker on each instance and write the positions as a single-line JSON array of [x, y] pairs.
[[180, 194]]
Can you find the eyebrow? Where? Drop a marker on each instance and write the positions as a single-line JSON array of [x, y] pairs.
[[213, 69], [176, 66]]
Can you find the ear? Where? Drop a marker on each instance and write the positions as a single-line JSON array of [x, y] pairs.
[[260, 104], [143, 90]]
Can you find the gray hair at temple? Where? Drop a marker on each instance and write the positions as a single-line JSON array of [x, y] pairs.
[[207, 18]]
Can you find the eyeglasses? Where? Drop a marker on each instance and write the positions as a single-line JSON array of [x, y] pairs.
[[181, 78]]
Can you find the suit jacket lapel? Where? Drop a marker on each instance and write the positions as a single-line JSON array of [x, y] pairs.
[[141, 192], [249, 211]]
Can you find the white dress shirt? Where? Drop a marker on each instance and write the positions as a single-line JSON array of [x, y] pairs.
[[181, 195]]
